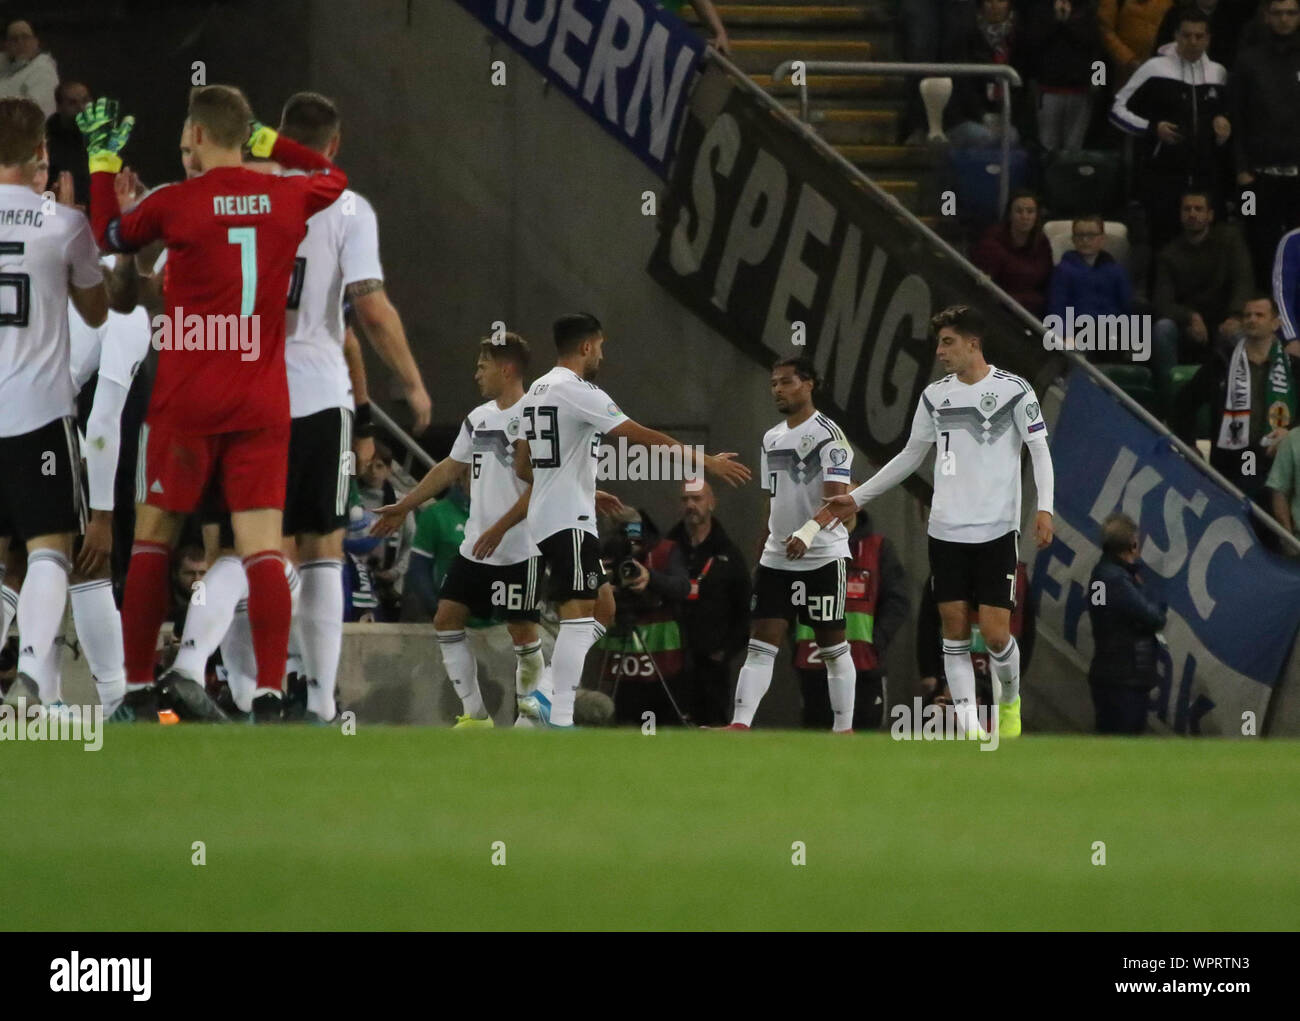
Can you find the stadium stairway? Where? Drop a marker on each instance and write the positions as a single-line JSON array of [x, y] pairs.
[[858, 114]]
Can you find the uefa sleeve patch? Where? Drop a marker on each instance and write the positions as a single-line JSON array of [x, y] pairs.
[[1036, 426]]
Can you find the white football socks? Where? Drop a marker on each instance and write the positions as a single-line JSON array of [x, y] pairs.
[[211, 609], [320, 625], [462, 669], [754, 680], [1005, 667], [842, 680], [239, 659], [99, 630], [960, 671], [40, 619], [575, 640], [529, 664]]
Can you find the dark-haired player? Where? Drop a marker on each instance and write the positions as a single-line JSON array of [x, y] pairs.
[[802, 573], [497, 570], [564, 415], [979, 416], [219, 409]]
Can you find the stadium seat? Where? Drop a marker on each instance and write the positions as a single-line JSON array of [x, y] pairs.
[[1134, 380], [974, 174], [1116, 242], [1178, 378], [1078, 183]]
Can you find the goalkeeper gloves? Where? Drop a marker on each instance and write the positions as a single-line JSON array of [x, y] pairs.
[[261, 140], [104, 134]]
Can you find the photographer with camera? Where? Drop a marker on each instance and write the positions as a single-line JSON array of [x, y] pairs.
[[642, 653]]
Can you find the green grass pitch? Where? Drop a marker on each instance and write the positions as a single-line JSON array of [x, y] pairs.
[[393, 828]]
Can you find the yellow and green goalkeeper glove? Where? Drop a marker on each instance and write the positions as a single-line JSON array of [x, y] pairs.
[[104, 134], [261, 140]]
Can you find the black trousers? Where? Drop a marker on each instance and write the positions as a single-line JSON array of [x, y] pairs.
[[1120, 710], [1277, 210], [868, 703]]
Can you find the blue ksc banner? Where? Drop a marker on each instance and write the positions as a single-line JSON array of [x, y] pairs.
[[628, 63], [1233, 606]]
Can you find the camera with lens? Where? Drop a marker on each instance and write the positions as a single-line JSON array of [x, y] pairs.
[[622, 551]]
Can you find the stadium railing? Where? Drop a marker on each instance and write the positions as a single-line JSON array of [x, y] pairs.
[[911, 70]]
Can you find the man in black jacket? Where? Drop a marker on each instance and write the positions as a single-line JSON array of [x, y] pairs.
[[1177, 103], [1124, 625], [1265, 93], [715, 616]]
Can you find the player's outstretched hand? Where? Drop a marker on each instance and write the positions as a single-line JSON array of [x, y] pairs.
[[843, 506], [725, 467], [607, 503], [97, 544], [389, 518], [126, 185], [794, 547], [1043, 529]]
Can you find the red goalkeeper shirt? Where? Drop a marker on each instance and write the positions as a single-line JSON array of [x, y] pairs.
[[232, 235]]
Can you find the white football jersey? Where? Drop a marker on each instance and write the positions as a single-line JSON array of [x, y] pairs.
[[41, 252], [486, 442], [563, 418], [979, 430], [341, 247], [115, 350], [794, 464]]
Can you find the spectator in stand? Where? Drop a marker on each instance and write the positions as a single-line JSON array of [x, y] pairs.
[[63, 138], [708, 15], [439, 531], [1286, 288], [1284, 483], [1265, 94], [26, 72], [715, 616], [1226, 18], [1016, 254], [1128, 32], [922, 25], [1089, 279], [989, 36], [1253, 398], [1177, 104], [1203, 278], [190, 567], [876, 606], [390, 560], [1064, 39], [1125, 624]]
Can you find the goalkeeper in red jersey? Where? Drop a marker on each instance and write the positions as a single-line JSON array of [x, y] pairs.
[[219, 412]]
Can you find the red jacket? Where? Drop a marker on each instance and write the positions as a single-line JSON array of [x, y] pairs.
[[1024, 273]]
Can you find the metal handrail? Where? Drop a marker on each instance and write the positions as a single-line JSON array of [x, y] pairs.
[[930, 70], [413, 449], [1032, 325]]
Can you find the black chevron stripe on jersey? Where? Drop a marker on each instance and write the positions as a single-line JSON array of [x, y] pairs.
[[496, 443], [972, 421], [802, 470]]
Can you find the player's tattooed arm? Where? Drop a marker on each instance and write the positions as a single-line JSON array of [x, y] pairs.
[[377, 320], [123, 283]]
